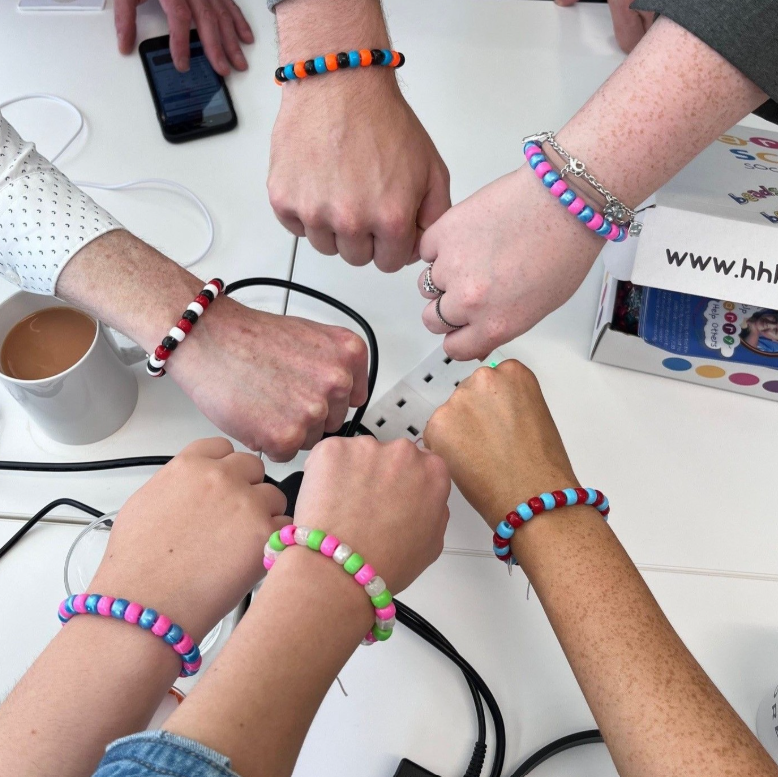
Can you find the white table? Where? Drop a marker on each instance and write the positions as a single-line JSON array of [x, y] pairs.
[[686, 469]]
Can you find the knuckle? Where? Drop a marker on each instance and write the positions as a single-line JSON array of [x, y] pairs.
[[339, 382], [289, 438], [353, 345], [394, 224], [207, 16], [346, 222], [316, 412], [518, 371], [483, 377], [181, 13]]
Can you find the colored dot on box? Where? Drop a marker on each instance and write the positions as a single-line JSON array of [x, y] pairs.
[[677, 365], [710, 371], [743, 379], [771, 385]]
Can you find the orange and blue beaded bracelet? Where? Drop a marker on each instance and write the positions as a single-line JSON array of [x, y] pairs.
[[541, 504], [345, 59]]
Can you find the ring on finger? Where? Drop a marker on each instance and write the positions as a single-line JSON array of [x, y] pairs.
[[440, 315], [428, 285]]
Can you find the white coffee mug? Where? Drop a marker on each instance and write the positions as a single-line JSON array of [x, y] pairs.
[[88, 401], [767, 723]]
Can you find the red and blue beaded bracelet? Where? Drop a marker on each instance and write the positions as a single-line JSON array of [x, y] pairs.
[[342, 61]]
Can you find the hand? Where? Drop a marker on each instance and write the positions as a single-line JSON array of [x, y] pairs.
[[396, 521], [499, 440], [276, 383], [220, 23], [353, 170], [506, 257], [189, 543], [628, 26]]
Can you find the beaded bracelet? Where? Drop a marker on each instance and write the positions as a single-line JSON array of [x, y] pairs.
[[156, 363], [552, 180], [353, 563], [132, 612], [341, 61], [539, 504]]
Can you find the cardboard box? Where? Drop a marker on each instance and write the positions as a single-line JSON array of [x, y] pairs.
[[695, 297]]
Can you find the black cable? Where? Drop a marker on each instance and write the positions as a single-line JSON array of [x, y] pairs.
[[590, 737], [84, 466]]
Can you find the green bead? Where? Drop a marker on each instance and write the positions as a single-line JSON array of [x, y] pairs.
[[354, 563], [383, 599], [276, 542], [381, 634], [315, 539]]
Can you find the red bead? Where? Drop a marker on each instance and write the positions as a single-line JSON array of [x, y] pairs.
[[559, 498], [500, 542], [162, 353], [203, 300], [185, 326], [506, 558], [583, 495], [600, 498], [219, 283], [536, 505], [514, 519], [605, 512]]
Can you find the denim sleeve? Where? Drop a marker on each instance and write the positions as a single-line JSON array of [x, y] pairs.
[[161, 754]]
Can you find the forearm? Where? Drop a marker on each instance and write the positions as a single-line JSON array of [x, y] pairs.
[[659, 712], [271, 677]]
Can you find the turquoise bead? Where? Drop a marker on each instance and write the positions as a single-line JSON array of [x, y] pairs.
[[535, 160], [548, 501], [527, 145], [174, 634], [622, 235], [572, 497], [191, 656], [550, 178], [69, 604], [501, 551], [118, 608], [148, 618], [586, 215], [604, 505], [320, 65], [387, 56], [524, 511], [505, 530], [354, 60], [592, 498], [62, 619], [289, 72], [91, 603], [604, 229], [567, 197]]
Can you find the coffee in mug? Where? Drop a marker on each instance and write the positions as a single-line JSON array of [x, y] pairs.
[[46, 343]]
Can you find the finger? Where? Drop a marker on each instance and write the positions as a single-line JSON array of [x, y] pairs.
[[416, 255], [565, 3], [179, 19], [124, 18], [428, 245], [627, 25], [241, 25], [229, 35], [357, 355], [338, 409], [429, 273], [313, 436], [393, 245], [246, 466], [466, 344], [448, 310], [273, 499], [357, 250], [323, 240], [292, 224], [211, 447], [207, 23], [437, 200]]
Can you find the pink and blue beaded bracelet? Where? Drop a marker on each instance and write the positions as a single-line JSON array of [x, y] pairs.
[[342, 554], [540, 504], [131, 612]]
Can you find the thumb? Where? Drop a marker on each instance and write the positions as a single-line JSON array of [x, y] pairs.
[[467, 343], [124, 19], [274, 502], [436, 201]]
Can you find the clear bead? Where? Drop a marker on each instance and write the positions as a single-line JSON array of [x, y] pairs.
[[341, 554], [270, 552], [389, 623], [375, 586], [367, 642], [301, 535]]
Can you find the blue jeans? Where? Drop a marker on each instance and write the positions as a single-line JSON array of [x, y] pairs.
[[159, 753]]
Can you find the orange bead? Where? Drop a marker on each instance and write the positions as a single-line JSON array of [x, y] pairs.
[[299, 70], [395, 59], [365, 57], [278, 82], [331, 61]]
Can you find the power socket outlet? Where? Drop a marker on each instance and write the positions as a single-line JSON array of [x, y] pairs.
[[405, 409]]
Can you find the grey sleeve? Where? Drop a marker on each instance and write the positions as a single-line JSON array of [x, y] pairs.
[[271, 4], [742, 31]]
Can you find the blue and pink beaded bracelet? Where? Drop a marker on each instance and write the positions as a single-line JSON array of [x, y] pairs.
[[540, 504], [342, 554], [132, 612]]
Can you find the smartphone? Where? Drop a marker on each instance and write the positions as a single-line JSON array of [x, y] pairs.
[[189, 105]]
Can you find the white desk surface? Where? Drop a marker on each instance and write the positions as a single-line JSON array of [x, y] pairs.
[[685, 467]]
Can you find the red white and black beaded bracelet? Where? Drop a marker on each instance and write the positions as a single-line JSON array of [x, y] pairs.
[[156, 363]]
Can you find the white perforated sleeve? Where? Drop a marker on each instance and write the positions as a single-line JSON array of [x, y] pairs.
[[44, 218]]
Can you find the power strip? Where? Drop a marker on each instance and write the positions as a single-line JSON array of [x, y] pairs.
[[407, 407]]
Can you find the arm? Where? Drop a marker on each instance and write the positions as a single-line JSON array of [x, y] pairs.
[[659, 712], [351, 167], [64, 711], [669, 100]]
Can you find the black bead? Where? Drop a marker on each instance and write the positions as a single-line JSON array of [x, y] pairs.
[[310, 68], [190, 316], [208, 294], [170, 343], [402, 60], [343, 60], [280, 75], [378, 57]]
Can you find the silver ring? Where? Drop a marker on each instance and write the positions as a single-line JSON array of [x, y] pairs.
[[440, 315], [428, 285]]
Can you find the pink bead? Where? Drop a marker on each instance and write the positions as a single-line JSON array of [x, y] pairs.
[[104, 606], [268, 563], [384, 613], [531, 151], [369, 637], [63, 612], [558, 188], [79, 603], [287, 534], [596, 222], [329, 544], [542, 169], [160, 628], [365, 575], [184, 645], [576, 206], [194, 666], [133, 612], [614, 233]]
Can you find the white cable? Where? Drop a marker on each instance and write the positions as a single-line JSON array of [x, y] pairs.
[[164, 182]]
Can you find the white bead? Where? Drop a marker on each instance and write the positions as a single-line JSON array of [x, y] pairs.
[[213, 288], [301, 534], [177, 334], [195, 307], [341, 554], [375, 586], [156, 363], [271, 552], [389, 623], [151, 371]]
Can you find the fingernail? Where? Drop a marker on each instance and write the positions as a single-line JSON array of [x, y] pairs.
[[241, 60]]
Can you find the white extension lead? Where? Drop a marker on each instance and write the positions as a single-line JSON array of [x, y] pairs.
[[140, 182]]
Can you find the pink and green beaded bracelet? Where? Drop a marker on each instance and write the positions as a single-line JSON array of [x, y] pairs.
[[342, 554]]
